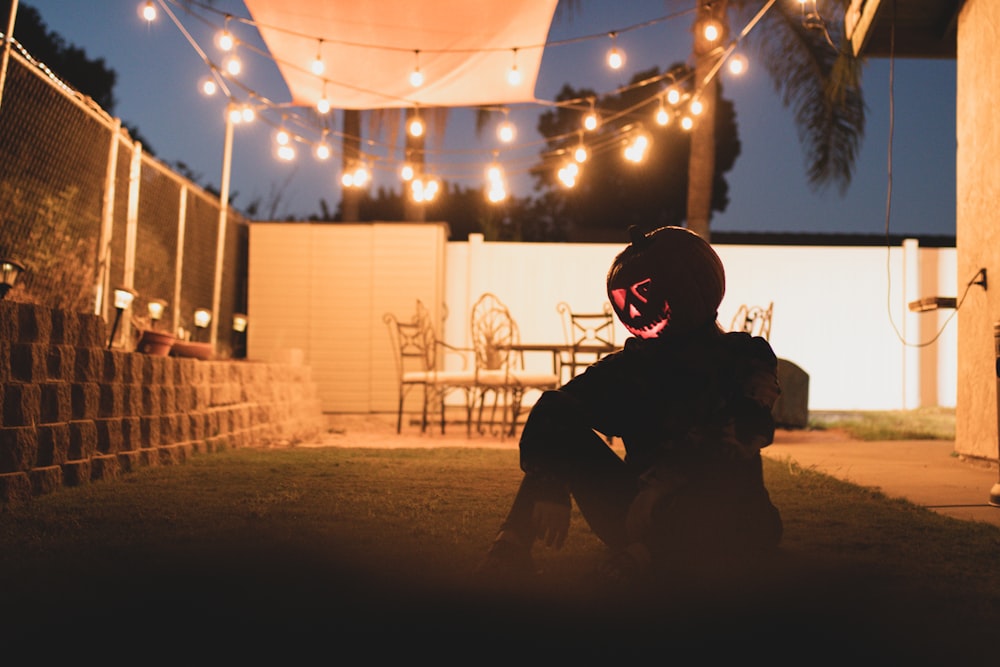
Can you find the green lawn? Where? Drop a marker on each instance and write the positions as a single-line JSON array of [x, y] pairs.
[[327, 553]]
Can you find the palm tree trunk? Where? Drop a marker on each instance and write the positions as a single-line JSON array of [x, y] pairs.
[[701, 162], [350, 198]]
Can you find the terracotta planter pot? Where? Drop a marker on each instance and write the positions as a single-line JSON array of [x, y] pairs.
[[186, 348], [155, 343]]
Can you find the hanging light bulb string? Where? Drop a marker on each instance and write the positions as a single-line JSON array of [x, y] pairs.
[[512, 161]]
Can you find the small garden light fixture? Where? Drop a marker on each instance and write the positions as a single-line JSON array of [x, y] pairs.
[[123, 300], [156, 307], [202, 318], [9, 271]]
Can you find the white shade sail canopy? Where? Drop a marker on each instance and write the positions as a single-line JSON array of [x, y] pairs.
[[464, 50]]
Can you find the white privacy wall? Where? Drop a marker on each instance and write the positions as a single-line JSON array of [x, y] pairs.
[[839, 311]]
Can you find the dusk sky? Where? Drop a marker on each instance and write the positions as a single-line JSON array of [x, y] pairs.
[[158, 71]]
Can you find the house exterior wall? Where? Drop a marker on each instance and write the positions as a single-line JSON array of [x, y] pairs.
[[977, 182]]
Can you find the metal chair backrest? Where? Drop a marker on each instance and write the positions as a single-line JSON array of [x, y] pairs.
[[413, 341], [754, 320], [493, 331], [588, 327]]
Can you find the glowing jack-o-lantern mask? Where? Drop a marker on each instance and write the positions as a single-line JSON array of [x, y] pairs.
[[669, 280]]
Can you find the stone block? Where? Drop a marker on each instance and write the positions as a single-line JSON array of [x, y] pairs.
[[18, 448], [149, 429], [150, 396], [22, 404], [53, 444], [149, 457], [131, 433], [15, 488], [89, 364], [184, 399], [82, 439], [5, 371], [168, 399], [105, 467], [86, 398], [133, 368], [93, 331], [65, 328], [29, 362], [174, 454], [109, 435], [76, 473], [153, 369], [114, 366], [197, 422], [45, 480], [131, 400], [34, 323], [8, 321], [60, 362], [56, 403], [791, 410], [112, 400], [130, 461]]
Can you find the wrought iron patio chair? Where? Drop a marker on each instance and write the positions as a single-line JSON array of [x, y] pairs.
[[589, 336], [754, 320], [499, 368], [419, 365]]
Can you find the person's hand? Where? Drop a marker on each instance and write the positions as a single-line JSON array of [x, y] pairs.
[[551, 521]]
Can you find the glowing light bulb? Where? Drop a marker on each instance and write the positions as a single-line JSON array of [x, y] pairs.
[[673, 95], [568, 174], [317, 66], [361, 176], [712, 30], [347, 180], [235, 115], [406, 172], [247, 113], [687, 123], [506, 132], [416, 78], [662, 116], [323, 105], [416, 127], [225, 40], [233, 65], [738, 64], [323, 151], [148, 11], [635, 151], [580, 154], [615, 58], [286, 153], [208, 86], [590, 122], [697, 107], [514, 76], [282, 138]]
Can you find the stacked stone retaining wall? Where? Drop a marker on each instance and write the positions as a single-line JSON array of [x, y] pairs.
[[74, 412]]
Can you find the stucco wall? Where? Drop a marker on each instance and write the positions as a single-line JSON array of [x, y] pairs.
[[977, 181]]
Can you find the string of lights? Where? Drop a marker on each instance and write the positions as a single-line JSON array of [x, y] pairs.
[[675, 96]]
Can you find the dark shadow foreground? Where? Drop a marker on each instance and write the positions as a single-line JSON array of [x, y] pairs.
[[266, 604]]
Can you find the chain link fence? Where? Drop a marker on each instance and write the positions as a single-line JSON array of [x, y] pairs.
[[86, 211]]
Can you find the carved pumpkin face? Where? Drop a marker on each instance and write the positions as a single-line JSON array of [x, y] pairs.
[[667, 281]]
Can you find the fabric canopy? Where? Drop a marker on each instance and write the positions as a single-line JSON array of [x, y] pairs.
[[464, 49]]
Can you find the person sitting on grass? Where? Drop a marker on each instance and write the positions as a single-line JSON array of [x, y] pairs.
[[692, 407]]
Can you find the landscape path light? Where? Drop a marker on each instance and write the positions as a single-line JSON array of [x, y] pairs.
[[123, 300], [9, 272], [202, 318], [156, 307]]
